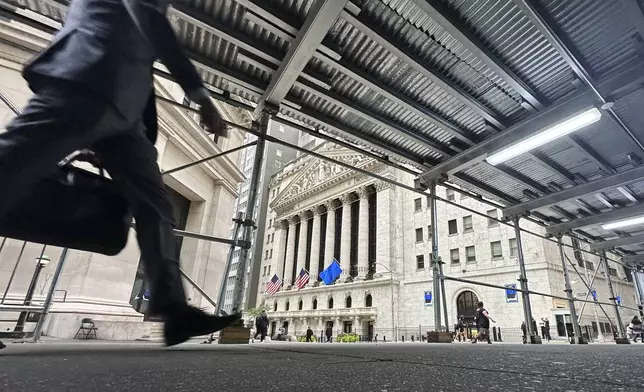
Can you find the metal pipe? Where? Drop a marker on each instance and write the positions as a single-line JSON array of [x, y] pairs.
[[13, 273], [200, 161], [434, 258], [20, 325], [50, 295], [523, 281], [240, 277], [620, 324], [592, 281], [391, 281], [196, 286], [571, 299], [229, 262], [183, 233], [587, 287], [639, 292], [443, 296]]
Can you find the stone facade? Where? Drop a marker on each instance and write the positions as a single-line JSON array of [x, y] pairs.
[[99, 286], [472, 247]]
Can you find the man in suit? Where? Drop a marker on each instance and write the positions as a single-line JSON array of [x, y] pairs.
[[93, 89]]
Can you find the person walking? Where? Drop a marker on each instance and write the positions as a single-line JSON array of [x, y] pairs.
[[261, 326], [309, 335], [329, 333], [483, 319], [93, 89]]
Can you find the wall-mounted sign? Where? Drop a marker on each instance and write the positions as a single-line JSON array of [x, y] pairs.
[[428, 298], [511, 293]]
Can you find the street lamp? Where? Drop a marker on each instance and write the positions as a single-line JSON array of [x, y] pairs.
[[41, 262], [391, 281]]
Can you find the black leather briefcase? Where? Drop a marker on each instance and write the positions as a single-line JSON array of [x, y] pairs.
[[73, 208]]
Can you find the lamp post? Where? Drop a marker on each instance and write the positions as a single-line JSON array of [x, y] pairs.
[[391, 282], [41, 262]]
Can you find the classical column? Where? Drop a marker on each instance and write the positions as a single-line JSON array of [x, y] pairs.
[[385, 226], [303, 243], [315, 244], [290, 251], [363, 234], [345, 238], [281, 227], [329, 244]]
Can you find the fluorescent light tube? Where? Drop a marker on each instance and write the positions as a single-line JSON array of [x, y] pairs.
[[624, 223], [571, 125]]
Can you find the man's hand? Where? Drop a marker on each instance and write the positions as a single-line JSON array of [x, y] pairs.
[[211, 119], [89, 157]]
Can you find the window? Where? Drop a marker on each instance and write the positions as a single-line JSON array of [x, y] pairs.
[[418, 205], [270, 223], [453, 228], [278, 164], [269, 269], [590, 265], [348, 302], [492, 222], [315, 303], [270, 255], [612, 271], [454, 256], [514, 248], [419, 235], [497, 252], [281, 128], [420, 262], [467, 223], [450, 195], [273, 237], [330, 303], [268, 239], [278, 152], [430, 233], [287, 306], [470, 253], [300, 305], [368, 301], [266, 257], [264, 273]]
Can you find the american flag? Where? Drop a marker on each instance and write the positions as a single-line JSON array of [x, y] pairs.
[[273, 285], [302, 279]]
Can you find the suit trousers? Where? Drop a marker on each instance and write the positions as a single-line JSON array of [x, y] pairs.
[[63, 117]]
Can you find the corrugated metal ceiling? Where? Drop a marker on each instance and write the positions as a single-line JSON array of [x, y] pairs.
[[427, 95]]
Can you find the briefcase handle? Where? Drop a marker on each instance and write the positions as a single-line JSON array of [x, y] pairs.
[[78, 156]]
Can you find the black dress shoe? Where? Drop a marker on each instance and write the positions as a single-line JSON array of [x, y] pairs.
[[188, 322], [2, 345]]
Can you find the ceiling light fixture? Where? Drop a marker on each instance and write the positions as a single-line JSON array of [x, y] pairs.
[[564, 128], [623, 223]]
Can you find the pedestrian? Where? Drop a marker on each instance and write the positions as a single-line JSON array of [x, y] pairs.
[[524, 332], [329, 333], [635, 329], [483, 319], [309, 335], [261, 326], [460, 325], [546, 327], [93, 89]]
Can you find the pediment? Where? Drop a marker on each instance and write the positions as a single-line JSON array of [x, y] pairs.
[[316, 175]]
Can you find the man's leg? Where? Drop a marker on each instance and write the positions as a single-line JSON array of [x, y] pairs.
[[57, 121], [130, 159]]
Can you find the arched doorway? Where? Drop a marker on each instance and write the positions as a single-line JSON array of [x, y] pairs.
[[466, 305]]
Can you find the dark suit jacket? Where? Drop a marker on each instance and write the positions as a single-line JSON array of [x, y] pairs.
[[101, 49]]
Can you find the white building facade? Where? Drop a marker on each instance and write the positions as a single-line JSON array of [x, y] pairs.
[[381, 235]]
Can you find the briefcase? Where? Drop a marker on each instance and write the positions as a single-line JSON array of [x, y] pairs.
[[73, 208]]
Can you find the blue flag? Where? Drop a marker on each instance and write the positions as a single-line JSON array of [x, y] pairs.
[[331, 273]]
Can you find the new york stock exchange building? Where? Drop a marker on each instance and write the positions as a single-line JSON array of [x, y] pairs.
[[381, 235]]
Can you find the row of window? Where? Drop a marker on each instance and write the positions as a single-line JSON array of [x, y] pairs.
[[348, 302], [266, 271], [418, 203], [453, 226], [270, 238], [496, 250]]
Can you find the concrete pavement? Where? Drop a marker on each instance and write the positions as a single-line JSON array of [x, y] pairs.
[[103, 366]]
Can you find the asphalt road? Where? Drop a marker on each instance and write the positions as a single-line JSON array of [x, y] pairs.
[[285, 367]]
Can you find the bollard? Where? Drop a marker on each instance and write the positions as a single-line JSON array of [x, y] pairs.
[[500, 339], [494, 336], [403, 338]]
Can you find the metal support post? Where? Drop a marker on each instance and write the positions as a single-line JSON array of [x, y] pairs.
[[210, 158], [621, 334], [41, 262], [13, 273], [600, 337], [523, 282], [50, 295], [639, 291], [571, 299], [442, 282], [435, 259], [249, 225], [239, 220]]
